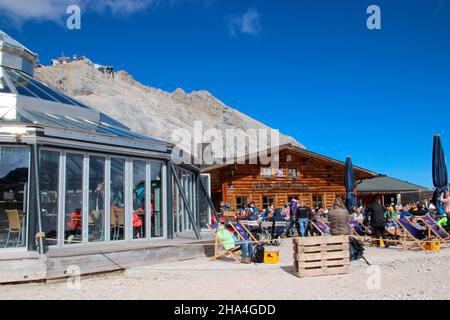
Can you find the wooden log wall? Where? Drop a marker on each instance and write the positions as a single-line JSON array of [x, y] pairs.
[[316, 180]]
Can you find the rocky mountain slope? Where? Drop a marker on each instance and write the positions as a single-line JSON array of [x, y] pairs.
[[146, 110]]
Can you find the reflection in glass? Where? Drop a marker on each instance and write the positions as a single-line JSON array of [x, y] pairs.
[[74, 199], [3, 86], [14, 166], [139, 193], [205, 213], [175, 207], [49, 180], [117, 213], [96, 198], [156, 200]]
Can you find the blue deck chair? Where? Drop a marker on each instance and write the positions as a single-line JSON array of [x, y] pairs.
[[242, 232], [436, 229], [218, 253], [419, 237], [357, 229], [322, 227]]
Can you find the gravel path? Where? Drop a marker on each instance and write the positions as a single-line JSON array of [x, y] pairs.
[[394, 275]]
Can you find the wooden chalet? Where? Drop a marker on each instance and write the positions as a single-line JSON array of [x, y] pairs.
[[310, 177]]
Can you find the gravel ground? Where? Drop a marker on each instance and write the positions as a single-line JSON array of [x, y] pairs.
[[394, 275]]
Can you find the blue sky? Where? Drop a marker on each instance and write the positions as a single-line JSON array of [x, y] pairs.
[[310, 68]]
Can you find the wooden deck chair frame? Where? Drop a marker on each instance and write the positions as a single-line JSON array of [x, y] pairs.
[[363, 227], [318, 229], [355, 234], [251, 236], [416, 242], [446, 240], [232, 253]]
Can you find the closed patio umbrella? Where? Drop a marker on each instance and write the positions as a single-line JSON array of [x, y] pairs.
[[440, 177], [349, 183]]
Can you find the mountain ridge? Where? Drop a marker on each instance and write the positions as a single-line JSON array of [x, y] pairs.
[[144, 109]]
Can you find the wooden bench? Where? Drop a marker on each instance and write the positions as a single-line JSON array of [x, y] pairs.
[[317, 256]]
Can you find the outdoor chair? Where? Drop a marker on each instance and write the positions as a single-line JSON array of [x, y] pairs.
[[359, 230], [436, 229], [93, 222], [117, 222], [121, 221], [322, 227], [14, 227], [266, 231], [113, 225], [219, 250], [243, 233], [419, 237], [279, 228]]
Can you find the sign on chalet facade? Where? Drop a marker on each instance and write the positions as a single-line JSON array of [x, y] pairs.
[[279, 186]]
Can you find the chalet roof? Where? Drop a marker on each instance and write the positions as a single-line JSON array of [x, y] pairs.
[[367, 173], [387, 184]]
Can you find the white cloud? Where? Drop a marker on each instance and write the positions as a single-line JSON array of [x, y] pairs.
[[20, 11], [247, 23]]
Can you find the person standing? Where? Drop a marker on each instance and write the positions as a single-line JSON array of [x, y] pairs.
[[445, 200], [292, 213], [339, 218], [286, 212], [358, 216], [378, 221], [303, 214]]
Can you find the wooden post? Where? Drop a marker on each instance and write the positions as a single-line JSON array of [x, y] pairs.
[[224, 186]]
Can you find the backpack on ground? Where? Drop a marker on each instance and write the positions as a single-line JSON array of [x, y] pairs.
[[357, 249], [258, 256]]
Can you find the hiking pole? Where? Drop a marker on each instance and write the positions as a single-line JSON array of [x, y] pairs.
[[364, 258]]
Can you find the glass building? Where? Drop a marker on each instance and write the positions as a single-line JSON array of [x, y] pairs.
[[70, 175]]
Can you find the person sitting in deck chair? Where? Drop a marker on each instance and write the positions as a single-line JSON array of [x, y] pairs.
[[443, 222], [229, 242], [339, 218]]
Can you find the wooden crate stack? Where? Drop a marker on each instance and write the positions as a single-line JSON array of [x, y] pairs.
[[317, 256]]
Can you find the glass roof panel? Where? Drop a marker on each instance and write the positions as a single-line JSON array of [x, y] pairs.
[[39, 118], [52, 93], [3, 85], [21, 89], [127, 133], [12, 115], [68, 122], [28, 86], [25, 86], [110, 121], [57, 96]]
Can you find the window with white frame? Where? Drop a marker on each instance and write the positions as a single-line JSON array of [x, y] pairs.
[[266, 172], [292, 173]]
